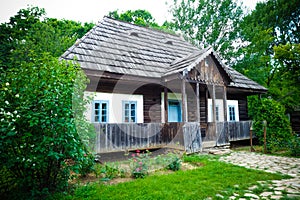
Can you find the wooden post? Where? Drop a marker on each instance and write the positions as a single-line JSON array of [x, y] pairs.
[[265, 136], [251, 144], [184, 101], [198, 101], [227, 134], [225, 103], [166, 104], [214, 118]]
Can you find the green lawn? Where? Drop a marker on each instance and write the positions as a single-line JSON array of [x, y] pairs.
[[211, 178]]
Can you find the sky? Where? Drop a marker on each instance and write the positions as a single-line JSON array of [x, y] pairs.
[[92, 10]]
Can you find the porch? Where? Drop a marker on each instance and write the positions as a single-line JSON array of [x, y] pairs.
[[185, 136]]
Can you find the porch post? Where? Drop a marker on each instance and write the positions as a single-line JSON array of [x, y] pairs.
[[225, 103], [226, 125], [166, 105], [184, 101], [198, 101], [214, 118]]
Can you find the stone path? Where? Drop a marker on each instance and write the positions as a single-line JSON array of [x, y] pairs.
[[276, 189]]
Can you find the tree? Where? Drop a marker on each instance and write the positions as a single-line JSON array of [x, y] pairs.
[[42, 108], [272, 54], [138, 17], [209, 23], [32, 29], [278, 129]]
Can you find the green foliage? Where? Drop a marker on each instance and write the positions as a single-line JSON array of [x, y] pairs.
[[271, 51], [138, 17], [110, 171], [294, 146], [40, 144], [278, 126], [209, 23], [201, 183], [30, 31], [174, 164], [139, 164]]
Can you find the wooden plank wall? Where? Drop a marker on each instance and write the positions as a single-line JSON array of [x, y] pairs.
[[127, 136], [243, 105], [227, 131]]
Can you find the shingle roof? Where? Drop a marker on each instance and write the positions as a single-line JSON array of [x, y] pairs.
[[124, 48]]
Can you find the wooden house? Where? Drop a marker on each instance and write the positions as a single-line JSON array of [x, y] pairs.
[[154, 89]]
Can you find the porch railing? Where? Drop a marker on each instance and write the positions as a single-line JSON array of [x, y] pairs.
[[224, 132], [185, 136], [127, 136]]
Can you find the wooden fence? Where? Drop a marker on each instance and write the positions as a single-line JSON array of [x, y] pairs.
[[185, 136], [127, 136], [224, 132]]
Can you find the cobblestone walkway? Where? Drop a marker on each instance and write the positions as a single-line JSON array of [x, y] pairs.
[[276, 189]]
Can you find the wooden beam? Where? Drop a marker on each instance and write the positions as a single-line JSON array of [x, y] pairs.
[[225, 103], [184, 101], [166, 104], [198, 101], [214, 118]]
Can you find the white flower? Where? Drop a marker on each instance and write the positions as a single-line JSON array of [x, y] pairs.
[[15, 112], [8, 113], [7, 102], [18, 116], [17, 95], [33, 164], [7, 84], [32, 146]]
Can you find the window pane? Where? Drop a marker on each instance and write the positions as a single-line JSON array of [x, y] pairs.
[[126, 106], [231, 113], [96, 118], [103, 118], [132, 106], [96, 106], [132, 119], [104, 106]]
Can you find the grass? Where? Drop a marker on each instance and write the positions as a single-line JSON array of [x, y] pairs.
[[212, 178], [260, 149]]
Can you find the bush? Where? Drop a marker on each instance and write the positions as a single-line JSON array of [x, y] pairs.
[[111, 171], [42, 120], [279, 130], [139, 164], [294, 146], [174, 163]]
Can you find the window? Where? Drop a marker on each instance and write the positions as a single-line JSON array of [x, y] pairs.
[[217, 112], [129, 111], [231, 113], [100, 111]]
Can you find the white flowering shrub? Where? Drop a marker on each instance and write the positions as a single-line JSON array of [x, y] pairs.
[[39, 140]]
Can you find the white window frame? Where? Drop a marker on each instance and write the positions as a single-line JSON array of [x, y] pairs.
[[233, 104]]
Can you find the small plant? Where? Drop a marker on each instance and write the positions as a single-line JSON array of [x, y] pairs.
[[139, 164], [111, 171], [175, 164]]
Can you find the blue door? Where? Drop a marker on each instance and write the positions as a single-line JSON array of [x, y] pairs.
[[174, 111]]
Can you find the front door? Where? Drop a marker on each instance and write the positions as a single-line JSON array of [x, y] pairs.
[[174, 111]]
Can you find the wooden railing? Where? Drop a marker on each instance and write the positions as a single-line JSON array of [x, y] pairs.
[[127, 136], [224, 132], [185, 136]]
